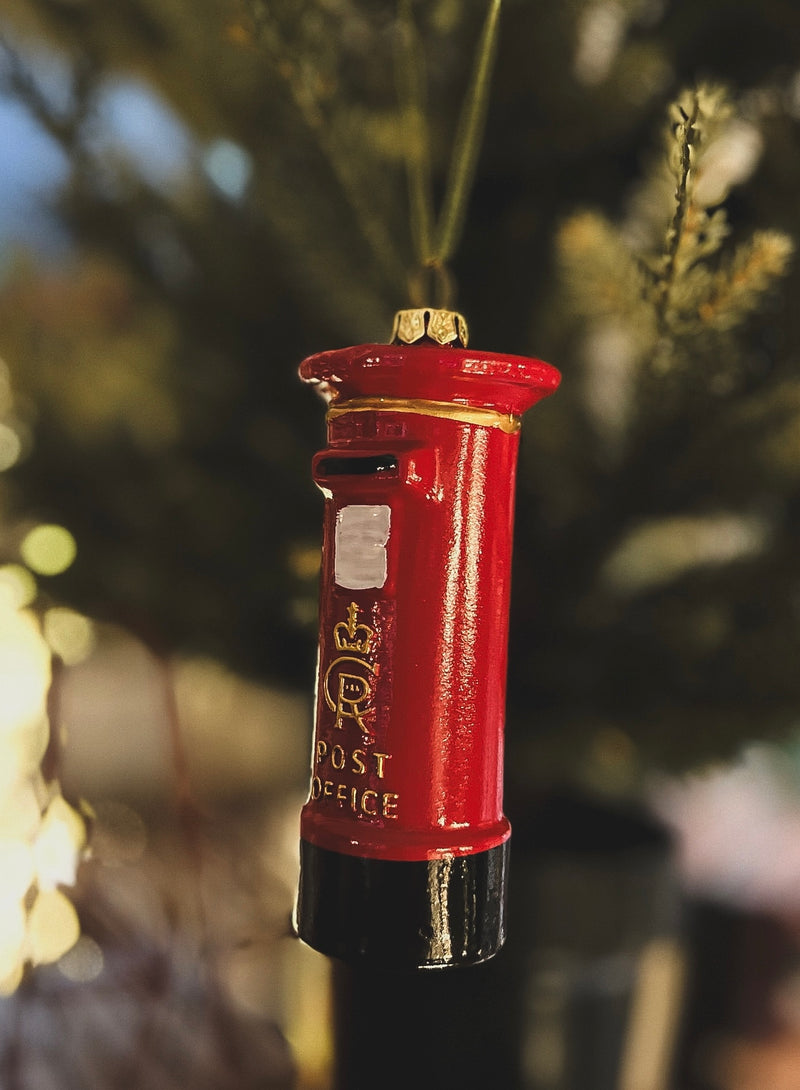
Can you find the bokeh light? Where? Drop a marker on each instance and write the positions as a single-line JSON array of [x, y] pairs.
[[229, 167], [70, 635], [20, 811], [17, 586], [12, 942], [17, 867], [24, 670], [119, 835], [42, 837], [84, 962], [58, 845], [53, 927], [10, 447], [48, 549]]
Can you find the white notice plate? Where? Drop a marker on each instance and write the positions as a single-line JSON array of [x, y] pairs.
[[362, 531]]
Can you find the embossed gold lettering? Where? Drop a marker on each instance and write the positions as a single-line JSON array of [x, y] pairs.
[[373, 797], [348, 689], [366, 802], [357, 761]]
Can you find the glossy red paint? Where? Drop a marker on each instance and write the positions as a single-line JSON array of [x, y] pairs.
[[408, 750]]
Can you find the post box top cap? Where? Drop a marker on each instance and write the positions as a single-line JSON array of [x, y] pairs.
[[445, 373]]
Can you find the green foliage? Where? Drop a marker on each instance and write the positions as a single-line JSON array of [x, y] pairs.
[[681, 288]]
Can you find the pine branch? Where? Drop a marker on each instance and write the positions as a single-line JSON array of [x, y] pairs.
[[339, 157], [753, 270], [686, 135], [63, 125], [603, 276], [667, 296]]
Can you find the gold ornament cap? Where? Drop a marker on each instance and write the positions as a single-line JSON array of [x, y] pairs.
[[426, 324]]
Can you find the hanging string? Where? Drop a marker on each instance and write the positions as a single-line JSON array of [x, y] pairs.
[[412, 94], [435, 241]]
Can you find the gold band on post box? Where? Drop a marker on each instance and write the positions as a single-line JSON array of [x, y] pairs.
[[464, 414]]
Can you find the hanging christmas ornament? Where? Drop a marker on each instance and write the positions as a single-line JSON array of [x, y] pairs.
[[404, 843]]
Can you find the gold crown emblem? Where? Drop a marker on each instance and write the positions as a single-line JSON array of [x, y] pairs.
[[349, 635]]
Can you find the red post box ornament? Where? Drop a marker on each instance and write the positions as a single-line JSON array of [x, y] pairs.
[[404, 844]]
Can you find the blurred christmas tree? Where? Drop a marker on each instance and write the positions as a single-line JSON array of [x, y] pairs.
[[228, 192], [655, 603]]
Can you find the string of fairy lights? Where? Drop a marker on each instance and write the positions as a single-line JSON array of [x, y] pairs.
[[42, 836]]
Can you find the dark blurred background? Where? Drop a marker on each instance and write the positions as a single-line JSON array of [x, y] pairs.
[[193, 196]]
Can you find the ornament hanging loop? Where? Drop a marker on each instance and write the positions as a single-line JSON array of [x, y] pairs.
[[436, 239], [431, 285], [430, 318]]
